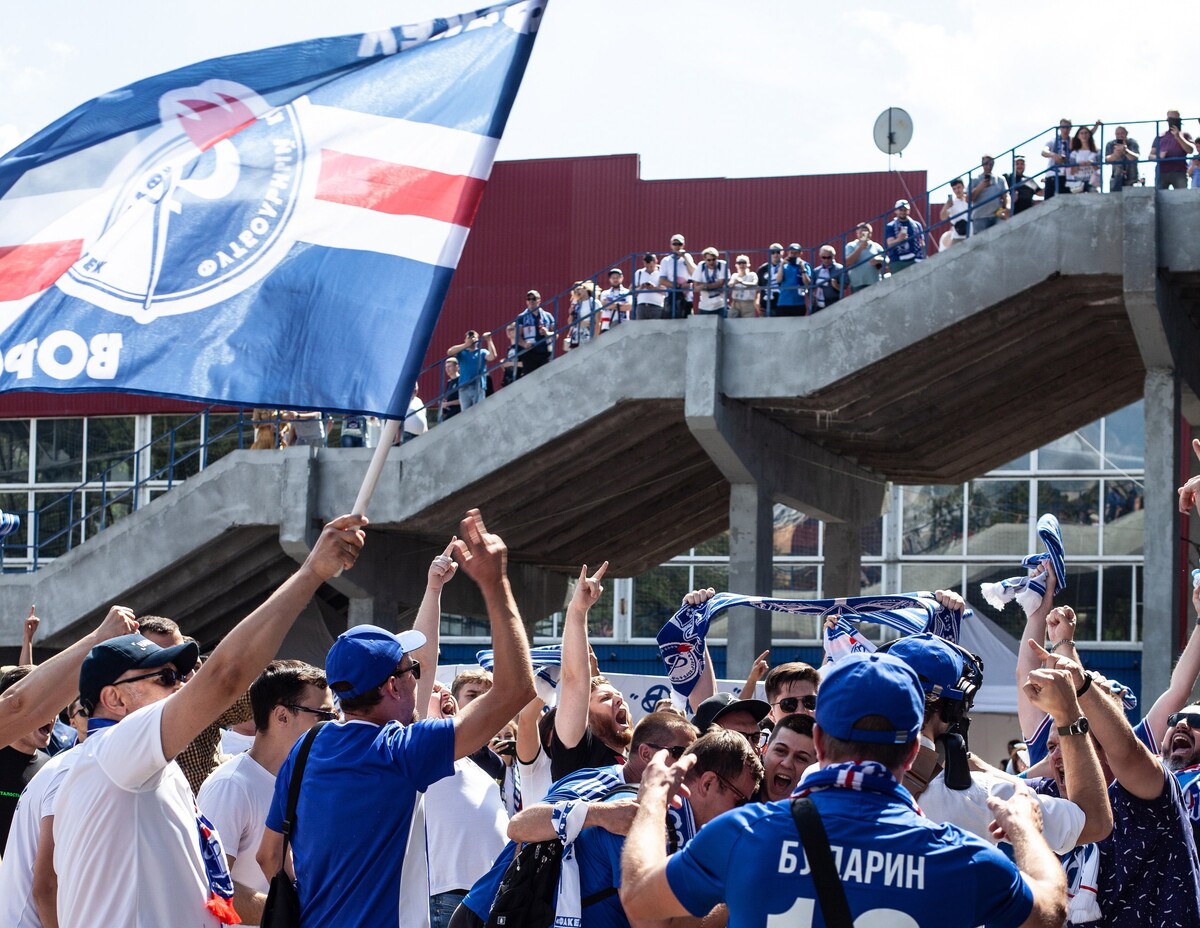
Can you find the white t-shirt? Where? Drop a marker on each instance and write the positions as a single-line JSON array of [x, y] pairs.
[[958, 210], [718, 274], [535, 778], [742, 286], [648, 297], [16, 873], [466, 827], [235, 799], [234, 743], [126, 840]]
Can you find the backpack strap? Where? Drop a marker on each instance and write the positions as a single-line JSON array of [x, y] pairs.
[[289, 819], [830, 893]]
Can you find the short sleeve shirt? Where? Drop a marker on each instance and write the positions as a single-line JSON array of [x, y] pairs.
[[235, 799], [355, 811], [589, 752], [893, 863], [471, 365]]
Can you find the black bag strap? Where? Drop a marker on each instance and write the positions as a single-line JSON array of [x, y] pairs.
[[830, 893], [289, 819]]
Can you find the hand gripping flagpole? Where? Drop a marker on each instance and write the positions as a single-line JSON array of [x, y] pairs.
[[386, 438]]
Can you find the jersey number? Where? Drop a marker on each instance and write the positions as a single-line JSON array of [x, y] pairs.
[[800, 915]]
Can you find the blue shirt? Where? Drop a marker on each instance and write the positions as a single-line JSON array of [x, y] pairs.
[[353, 818], [894, 863], [588, 784], [791, 287], [471, 365], [913, 247]]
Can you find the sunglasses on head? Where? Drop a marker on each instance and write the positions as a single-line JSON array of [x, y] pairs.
[[790, 704], [164, 676], [676, 751], [1192, 719]]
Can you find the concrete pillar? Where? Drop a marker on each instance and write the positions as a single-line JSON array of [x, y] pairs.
[[1163, 571], [842, 575], [751, 543], [383, 611]]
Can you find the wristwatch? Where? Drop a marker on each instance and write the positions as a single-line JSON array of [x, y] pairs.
[[1079, 727]]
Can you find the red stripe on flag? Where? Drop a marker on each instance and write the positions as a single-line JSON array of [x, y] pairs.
[[29, 269], [397, 188]]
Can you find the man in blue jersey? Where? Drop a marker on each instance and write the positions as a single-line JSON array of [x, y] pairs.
[[358, 792], [895, 866], [905, 238]]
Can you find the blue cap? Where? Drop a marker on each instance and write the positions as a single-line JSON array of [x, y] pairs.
[[365, 656], [871, 684], [938, 664], [109, 659]]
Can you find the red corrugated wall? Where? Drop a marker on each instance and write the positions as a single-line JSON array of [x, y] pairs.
[[543, 224]]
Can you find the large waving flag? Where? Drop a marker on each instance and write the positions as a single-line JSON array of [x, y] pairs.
[[277, 228]]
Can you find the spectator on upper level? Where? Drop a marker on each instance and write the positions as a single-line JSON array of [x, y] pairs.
[[954, 211], [864, 258], [793, 277], [615, 302], [649, 297], [1058, 153], [1021, 189], [1194, 170], [1170, 150], [742, 289], [1122, 153], [768, 282], [416, 421], [989, 197], [677, 269], [1084, 175], [511, 365], [828, 279], [303, 428], [535, 334], [709, 282], [472, 366], [450, 403], [584, 315], [905, 239]]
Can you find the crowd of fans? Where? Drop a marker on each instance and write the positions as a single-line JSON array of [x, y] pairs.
[[188, 787]]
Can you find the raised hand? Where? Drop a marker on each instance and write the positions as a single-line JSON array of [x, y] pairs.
[[589, 589], [1053, 691], [338, 547], [696, 597], [1057, 662], [119, 621], [443, 568], [481, 554], [1188, 492], [31, 624], [1060, 623]]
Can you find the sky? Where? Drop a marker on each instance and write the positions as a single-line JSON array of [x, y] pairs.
[[702, 89]]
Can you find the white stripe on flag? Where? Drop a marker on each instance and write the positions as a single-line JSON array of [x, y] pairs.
[[336, 225]]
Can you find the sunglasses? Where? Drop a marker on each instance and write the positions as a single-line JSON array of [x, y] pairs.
[[415, 667], [677, 751], [166, 676], [1192, 719], [325, 715], [756, 738], [530, 299], [790, 704], [742, 797]]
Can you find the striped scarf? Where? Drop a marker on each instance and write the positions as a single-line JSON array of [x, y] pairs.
[[1029, 590], [547, 659]]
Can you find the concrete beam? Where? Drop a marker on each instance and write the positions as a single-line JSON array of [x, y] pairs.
[[751, 550]]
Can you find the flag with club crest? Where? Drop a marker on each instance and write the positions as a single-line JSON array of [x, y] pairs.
[[277, 228]]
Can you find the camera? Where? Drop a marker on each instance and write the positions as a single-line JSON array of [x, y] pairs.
[[1174, 122]]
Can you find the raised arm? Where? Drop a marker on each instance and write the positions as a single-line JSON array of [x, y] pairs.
[[429, 618], [1020, 818], [1035, 630], [31, 626], [253, 642], [645, 892], [758, 670], [529, 743], [484, 558], [575, 675], [1183, 678], [48, 688], [536, 823], [1188, 493]]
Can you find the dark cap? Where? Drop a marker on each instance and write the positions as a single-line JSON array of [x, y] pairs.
[[649, 256], [107, 661], [713, 708]]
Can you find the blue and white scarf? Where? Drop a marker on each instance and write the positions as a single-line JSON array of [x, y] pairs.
[[9, 523], [1029, 590], [547, 660], [568, 818], [681, 640], [868, 776]]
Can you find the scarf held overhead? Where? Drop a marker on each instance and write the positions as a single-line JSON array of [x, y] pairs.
[[1029, 590]]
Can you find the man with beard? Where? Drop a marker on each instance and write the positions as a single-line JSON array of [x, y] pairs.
[[1181, 755], [592, 727], [20, 760], [788, 754]]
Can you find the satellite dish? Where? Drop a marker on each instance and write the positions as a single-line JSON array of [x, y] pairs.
[[893, 130]]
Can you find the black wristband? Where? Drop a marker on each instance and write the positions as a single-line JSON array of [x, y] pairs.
[[1087, 683]]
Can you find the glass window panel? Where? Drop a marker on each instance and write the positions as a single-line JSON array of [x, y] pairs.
[[717, 577], [801, 582], [1117, 605], [17, 504], [1125, 439], [110, 447], [872, 538], [1011, 618], [656, 597], [717, 546], [14, 451], [915, 578], [600, 616], [1021, 463], [466, 626], [1081, 596], [224, 432], [59, 451], [176, 441], [796, 533], [1079, 450], [1076, 503], [1123, 517], [547, 627], [998, 517], [872, 580], [59, 522], [932, 520], [105, 509]]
